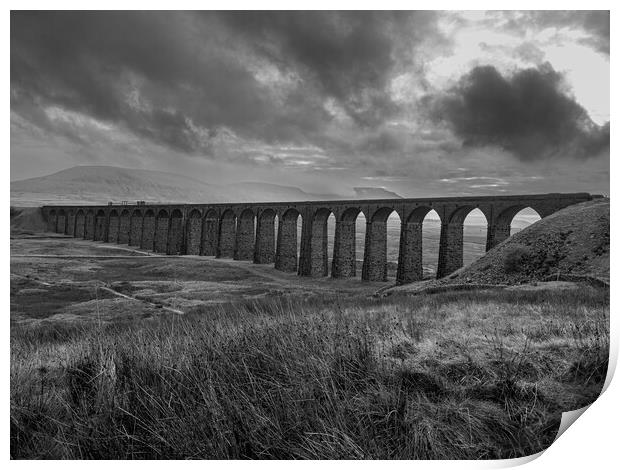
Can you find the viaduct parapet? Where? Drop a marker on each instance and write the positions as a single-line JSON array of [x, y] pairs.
[[246, 231]]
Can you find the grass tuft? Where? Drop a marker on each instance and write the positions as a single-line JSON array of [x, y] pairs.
[[467, 375]]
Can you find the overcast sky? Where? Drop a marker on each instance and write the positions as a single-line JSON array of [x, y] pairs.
[[421, 103]]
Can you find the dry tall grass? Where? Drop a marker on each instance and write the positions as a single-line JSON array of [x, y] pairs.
[[469, 375]]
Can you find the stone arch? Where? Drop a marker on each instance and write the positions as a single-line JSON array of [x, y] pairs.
[[459, 215], [227, 234], [244, 241], [524, 218], [123, 228], [375, 266], [113, 226], [500, 229], [287, 249], [194, 232], [100, 225], [210, 233], [79, 223], [264, 247], [509, 213], [52, 220], [411, 251], [89, 225], [175, 233], [162, 223], [451, 240], [135, 228], [148, 230], [61, 221]]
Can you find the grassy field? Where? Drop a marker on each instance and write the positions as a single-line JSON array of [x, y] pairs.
[[64, 279], [453, 376], [264, 364]]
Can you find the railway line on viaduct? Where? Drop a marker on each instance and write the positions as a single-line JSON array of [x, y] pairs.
[[246, 231]]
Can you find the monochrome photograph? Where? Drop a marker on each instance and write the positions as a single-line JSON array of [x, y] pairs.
[[306, 234]]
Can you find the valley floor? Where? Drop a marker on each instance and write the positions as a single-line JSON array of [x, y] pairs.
[[121, 354], [61, 278]]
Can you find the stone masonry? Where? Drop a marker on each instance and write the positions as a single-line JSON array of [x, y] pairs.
[[148, 231], [264, 251], [210, 234], [70, 223], [160, 244], [226, 239], [114, 227], [135, 228], [244, 245], [176, 234], [124, 228], [228, 230], [79, 224], [286, 252], [89, 225], [194, 232], [100, 226]]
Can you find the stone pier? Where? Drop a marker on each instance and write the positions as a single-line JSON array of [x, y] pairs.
[[176, 234], [194, 232], [135, 228], [210, 234], [227, 235], [264, 251], [244, 244], [344, 260], [148, 230], [113, 227], [286, 253], [124, 228]]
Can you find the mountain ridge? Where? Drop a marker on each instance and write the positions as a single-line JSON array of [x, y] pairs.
[[100, 184]]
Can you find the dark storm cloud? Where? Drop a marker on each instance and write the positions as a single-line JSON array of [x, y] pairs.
[[595, 23], [85, 62], [349, 55], [528, 113], [175, 78]]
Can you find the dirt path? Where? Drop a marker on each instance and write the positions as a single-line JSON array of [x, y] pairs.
[[100, 285], [151, 304], [33, 279]]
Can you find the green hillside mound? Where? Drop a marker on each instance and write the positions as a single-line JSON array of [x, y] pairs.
[[27, 219], [572, 243]]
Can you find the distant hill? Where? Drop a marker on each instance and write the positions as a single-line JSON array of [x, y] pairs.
[[100, 184], [375, 193]]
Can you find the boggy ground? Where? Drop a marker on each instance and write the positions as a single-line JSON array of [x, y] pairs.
[[318, 370], [59, 278]]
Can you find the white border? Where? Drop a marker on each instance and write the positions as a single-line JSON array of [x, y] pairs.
[[590, 443]]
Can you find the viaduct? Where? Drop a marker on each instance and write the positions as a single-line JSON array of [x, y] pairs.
[[246, 231]]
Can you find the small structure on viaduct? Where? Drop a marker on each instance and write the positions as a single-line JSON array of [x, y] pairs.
[[246, 231]]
